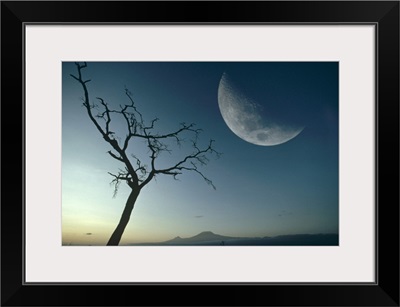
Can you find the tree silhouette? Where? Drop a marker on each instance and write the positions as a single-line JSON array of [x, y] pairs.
[[135, 172]]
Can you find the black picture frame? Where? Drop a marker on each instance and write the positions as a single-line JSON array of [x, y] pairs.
[[383, 14]]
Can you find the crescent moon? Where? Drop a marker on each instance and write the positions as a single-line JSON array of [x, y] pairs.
[[243, 116]]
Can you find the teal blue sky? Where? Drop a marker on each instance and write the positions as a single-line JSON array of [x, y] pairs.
[[290, 188]]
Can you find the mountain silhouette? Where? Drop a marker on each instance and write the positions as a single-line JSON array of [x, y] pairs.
[[210, 238], [205, 236]]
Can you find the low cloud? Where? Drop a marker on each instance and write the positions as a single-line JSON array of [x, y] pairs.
[[284, 213]]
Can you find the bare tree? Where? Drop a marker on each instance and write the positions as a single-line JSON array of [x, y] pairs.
[[136, 173]]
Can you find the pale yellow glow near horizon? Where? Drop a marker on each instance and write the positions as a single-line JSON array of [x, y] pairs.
[[91, 223]]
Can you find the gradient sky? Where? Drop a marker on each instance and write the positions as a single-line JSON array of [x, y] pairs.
[[290, 188]]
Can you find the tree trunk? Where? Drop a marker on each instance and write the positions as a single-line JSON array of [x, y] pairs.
[[117, 234]]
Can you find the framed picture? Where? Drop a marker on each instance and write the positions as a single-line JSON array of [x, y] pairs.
[[241, 146]]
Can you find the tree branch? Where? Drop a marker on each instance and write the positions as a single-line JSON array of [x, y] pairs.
[[139, 175], [190, 163], [115, 156]]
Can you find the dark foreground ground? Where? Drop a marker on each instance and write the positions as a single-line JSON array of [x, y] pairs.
[[208, 238]]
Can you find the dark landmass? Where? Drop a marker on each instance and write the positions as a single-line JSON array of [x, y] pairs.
[[208, 238]]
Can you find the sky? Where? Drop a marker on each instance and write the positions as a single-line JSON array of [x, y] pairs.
[[289, 188]]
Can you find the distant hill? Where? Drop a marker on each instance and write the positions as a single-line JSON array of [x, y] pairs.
[[205, 236], [208, 238]]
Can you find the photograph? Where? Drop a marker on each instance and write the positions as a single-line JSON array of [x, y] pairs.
[[243, 147], [200, 153]]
